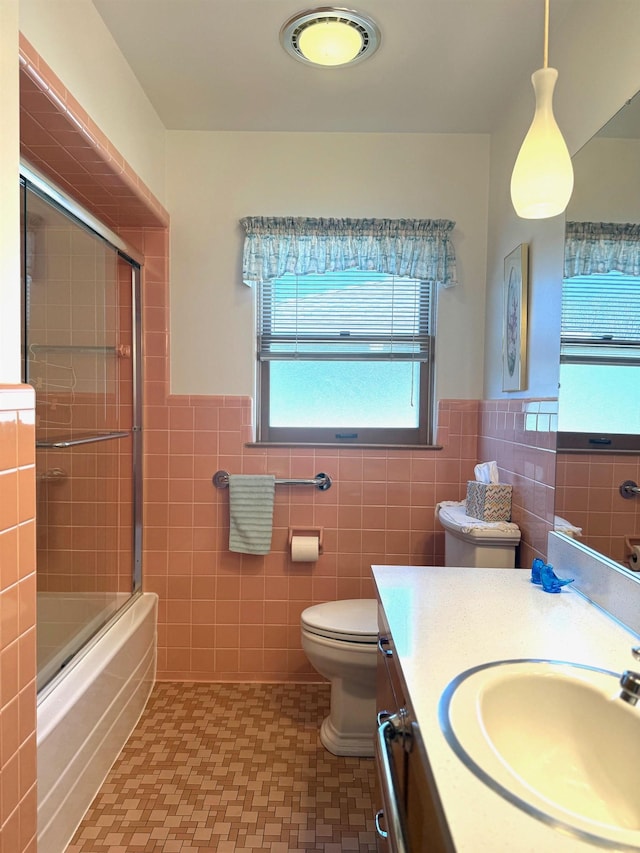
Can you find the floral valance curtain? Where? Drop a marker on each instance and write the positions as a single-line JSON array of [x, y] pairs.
[[601, 247], [416, 248]]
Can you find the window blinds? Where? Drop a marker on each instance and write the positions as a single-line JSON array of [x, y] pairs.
[[600, 318], [352, 315]]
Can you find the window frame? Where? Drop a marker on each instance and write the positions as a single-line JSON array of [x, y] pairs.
[[580, 348], [422, 435]]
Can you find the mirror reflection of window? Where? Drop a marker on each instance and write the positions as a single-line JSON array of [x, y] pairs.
[[598, 384], [600, 354]]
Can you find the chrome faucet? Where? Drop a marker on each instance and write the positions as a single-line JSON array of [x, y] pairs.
[[630, 681]]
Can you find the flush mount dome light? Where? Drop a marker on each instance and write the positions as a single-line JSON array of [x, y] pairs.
[[330, 37]]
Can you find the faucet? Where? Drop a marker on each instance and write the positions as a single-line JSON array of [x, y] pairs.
[[630, 681]]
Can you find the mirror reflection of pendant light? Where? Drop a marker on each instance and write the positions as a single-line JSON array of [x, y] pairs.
[[330, 37], [542, 178]]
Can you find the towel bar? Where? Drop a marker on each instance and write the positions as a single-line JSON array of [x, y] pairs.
[[320, 481]]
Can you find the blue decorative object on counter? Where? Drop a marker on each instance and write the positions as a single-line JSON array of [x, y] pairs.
[[536, 567], [543, 574], [551, 583]]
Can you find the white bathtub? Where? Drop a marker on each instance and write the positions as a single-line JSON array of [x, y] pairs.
[[68, 620], [84, 720]]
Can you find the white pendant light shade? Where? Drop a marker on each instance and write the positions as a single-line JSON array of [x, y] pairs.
[[542, 179]]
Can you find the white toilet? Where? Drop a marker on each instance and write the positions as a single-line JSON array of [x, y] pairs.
[[340, 639], [471, 542]]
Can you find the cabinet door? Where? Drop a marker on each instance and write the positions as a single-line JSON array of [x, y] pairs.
[[427, 831], [390, 704], [420, 820]]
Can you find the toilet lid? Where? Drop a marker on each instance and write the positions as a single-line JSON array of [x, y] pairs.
[[355, 620]]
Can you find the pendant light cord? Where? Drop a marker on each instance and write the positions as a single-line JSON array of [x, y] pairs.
[[545, 58]]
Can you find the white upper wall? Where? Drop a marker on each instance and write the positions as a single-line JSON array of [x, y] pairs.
[[214, 179], [596, 54], [10, 369], [72, 38]]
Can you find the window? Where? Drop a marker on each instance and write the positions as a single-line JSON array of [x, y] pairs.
[[346, 325], [599, 361], [346, 357]]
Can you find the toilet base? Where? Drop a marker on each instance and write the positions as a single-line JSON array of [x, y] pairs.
[[353, 744], [350, 667]]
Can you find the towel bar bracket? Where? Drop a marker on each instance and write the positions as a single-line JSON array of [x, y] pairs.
[[320, 481], [629, 489]]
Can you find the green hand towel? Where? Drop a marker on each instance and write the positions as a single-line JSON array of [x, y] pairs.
[[251, 512]]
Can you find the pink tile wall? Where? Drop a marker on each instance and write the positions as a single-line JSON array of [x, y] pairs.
[[226, 616], [521, 436], [17, 621], [588, 496]]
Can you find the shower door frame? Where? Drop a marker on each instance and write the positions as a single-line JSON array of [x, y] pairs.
[[42, 187]]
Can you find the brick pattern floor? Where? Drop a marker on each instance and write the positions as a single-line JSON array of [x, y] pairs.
[[232, 768]]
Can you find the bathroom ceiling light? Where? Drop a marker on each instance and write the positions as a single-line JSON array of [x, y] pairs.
[[542, 179], [330, 37]]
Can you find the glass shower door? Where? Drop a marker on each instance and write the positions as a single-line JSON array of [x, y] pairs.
[[79, 348]]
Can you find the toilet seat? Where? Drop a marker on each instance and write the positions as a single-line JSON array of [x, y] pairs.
[[351, 620]]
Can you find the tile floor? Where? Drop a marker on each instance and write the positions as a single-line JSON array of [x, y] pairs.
[[232, 768]]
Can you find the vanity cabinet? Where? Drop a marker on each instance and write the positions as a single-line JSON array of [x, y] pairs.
[[409, 818]]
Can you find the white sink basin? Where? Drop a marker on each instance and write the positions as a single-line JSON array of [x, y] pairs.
[[555, 740]]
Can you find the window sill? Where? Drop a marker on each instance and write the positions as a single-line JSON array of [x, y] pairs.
[[344, 445], [597, 442]]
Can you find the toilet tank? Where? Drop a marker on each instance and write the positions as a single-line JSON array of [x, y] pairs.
[[473, 543]]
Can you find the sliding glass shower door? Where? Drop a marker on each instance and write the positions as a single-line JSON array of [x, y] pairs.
[[81, 353]]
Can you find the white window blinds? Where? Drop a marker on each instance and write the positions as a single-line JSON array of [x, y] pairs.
[[601, 317], [353, 315]]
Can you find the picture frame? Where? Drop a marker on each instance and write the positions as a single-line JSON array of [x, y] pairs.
[[514, 324]]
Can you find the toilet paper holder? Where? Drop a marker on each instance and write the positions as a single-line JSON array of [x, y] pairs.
[[307, 531]]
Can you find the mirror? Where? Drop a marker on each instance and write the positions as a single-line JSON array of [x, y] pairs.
[[598, 354]]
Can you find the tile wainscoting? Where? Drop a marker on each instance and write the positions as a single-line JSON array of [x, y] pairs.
[[17, 620]]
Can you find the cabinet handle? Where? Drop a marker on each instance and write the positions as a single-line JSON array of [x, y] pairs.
[[382, 642], [382, 716], [388, 784], [381, 832]]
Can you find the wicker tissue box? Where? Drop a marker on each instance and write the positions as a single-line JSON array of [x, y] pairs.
[[488, 501]]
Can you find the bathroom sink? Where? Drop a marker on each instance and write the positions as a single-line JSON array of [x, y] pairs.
[[555, 740]]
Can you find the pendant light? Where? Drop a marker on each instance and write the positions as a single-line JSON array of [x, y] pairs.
[[542, 178]]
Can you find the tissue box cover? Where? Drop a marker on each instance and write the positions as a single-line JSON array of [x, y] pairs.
[[488, 501]]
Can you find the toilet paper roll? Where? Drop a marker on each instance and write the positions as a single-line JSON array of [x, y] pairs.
[[304, 549], [634, 558]]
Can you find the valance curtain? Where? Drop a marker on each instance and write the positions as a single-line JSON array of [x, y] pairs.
[[601, 247], [417, 248]]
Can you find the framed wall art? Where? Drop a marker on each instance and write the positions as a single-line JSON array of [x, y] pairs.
[[514, 328]]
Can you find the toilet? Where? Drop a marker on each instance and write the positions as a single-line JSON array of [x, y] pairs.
[[471, 542], [340, 638]]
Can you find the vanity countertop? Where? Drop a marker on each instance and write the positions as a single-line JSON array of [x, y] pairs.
[[446, 620]]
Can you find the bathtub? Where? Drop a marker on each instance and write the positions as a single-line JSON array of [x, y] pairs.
[[67, 621], [85, 718]]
